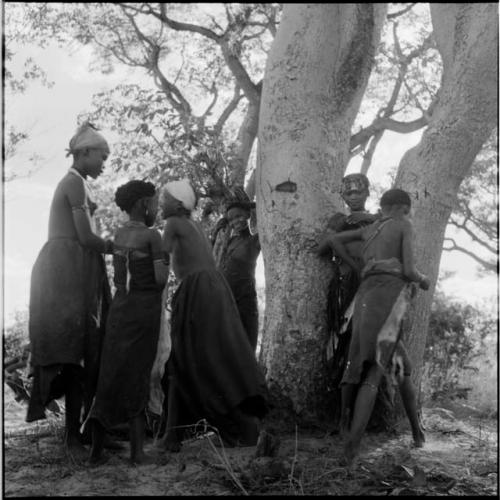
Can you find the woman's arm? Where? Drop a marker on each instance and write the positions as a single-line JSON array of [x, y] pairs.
[[408, 258], [337, 244], [76, 197], [161, 259], [169, 235]]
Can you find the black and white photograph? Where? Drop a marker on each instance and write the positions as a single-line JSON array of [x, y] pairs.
[[250, 249]]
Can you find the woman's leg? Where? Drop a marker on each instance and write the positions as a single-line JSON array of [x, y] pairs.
[[363, 407], [98, 435], [172, 442], [407, 391], [73, 403], [347, 405], [137, 455], [248, 425]]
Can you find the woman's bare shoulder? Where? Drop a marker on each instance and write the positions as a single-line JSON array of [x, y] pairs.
[[71, 181]]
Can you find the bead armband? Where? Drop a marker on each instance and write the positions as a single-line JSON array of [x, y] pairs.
[[165, 260]]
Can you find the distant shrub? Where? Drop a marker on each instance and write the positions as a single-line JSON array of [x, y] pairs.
[[484, 382], [457, 354], [15, 336]]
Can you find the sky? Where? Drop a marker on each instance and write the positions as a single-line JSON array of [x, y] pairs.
[[49, 115]]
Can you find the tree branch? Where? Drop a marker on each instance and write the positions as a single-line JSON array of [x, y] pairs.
[[234, 64], [178, 26], [233, 104], [239, 72], [386, 124], [368, 155], [123, 57], [488, 265], [463, 226], [393, 15], [139, 33], [383, 120], [271, 17], [253, 35], [215, 93], [144, 9]]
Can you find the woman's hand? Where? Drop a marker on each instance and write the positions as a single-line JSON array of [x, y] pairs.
[[425, 282], [322, 248]]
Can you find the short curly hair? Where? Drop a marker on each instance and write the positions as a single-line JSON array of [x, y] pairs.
[[395, 197], [128, 194]]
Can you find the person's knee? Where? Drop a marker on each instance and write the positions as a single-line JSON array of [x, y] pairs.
[[373, 375]]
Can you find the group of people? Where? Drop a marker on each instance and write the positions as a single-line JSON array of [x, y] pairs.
[[373, 283], [98, 351]]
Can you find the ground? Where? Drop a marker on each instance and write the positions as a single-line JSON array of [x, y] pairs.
[[459, 458]]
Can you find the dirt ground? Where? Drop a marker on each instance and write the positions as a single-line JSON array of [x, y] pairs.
[[459, 458]]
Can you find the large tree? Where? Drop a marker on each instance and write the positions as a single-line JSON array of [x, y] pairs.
[[316, 74], [462, 121], [312, 88]]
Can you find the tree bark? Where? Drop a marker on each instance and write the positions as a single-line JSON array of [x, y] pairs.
[[315, 77], [464, 116]]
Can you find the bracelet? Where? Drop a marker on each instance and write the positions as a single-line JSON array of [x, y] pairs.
[[164, 260]]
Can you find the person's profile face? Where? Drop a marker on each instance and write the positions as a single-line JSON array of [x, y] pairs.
[[151, 210], [94, 161], [169, 205], [237, 218]]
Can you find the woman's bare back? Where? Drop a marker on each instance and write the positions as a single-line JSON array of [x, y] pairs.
[[188, 245]]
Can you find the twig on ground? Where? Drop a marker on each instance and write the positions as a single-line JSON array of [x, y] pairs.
[[224, 460], [291, 477]]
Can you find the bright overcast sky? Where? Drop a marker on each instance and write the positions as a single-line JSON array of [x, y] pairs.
[[49, 116]]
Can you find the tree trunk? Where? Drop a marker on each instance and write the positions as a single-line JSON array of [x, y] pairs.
[[465, 115], [316, 74], [243, 144]]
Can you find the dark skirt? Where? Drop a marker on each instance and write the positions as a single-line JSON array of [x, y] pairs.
[[68, 288], [69, 298], [212, 361], [127, 358], [246, 302], [380, 306]]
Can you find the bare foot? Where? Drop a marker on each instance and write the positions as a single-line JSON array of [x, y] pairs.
[[108, 443], [172, 445], [75, 450], [344, 424], [142, 459], [419, 439], [350, 452], [267, 445]]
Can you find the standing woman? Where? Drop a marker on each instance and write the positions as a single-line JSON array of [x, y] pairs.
[[69, 293], [344, 283], [237, 261], [133, 325]]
